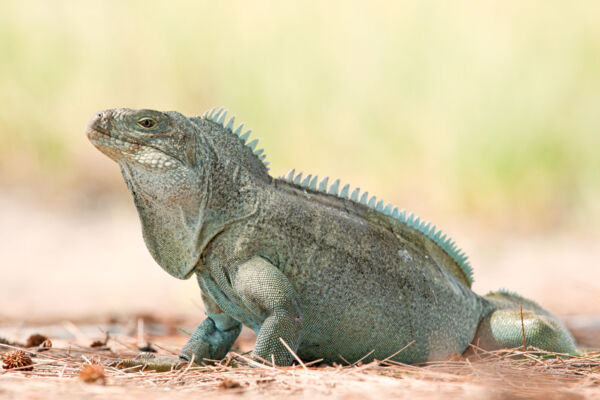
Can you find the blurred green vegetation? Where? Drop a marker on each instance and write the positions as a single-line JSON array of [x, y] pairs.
[[486, 108]]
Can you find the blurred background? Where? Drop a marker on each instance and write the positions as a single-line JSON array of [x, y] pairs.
[[482, 117]]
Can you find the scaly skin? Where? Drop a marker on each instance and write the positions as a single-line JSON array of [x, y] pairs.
[[328, 275]]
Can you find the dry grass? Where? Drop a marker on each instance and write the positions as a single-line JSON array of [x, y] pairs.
[[61, 372]]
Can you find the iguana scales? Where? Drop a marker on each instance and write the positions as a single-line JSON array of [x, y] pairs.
[[328, 271]]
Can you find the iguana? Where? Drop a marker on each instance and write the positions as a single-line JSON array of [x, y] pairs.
[[317, 270]]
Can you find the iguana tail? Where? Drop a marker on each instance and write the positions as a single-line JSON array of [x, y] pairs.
[[508, 327]]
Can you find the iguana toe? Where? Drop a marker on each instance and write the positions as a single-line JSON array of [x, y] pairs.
[[149, 362]]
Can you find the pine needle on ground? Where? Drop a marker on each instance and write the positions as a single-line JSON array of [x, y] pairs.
[[515, 373]]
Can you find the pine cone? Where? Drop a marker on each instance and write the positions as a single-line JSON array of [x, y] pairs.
[[91, 373], [17, 359]]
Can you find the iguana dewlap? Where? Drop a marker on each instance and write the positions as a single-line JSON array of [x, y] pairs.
[[330, 271]]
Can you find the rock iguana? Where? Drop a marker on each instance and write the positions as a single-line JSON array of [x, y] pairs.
[[334, 273]]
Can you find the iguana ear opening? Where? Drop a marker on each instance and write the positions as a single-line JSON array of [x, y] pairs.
[[199, 149], [190, 154], [194, 150]]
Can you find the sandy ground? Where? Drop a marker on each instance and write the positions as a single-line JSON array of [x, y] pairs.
[[59, 373]]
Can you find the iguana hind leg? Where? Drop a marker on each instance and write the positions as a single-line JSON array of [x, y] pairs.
[[504, 328], [266, 291]]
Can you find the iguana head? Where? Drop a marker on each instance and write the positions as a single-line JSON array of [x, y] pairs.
[[151, 139], [159, 154]]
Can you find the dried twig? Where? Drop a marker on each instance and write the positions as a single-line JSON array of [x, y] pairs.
[[523, 325], [293, 353], [399, 351]]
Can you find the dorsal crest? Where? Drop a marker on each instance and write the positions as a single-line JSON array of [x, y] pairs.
[[218, 116], [409, 219], [311, 182]]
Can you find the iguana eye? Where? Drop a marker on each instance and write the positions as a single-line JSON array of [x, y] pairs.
[[147, 123]]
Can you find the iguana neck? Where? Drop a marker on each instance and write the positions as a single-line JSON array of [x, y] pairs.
[[181, 211]]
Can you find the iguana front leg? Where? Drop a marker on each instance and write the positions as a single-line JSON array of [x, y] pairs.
[[211, 340], [267, 292]]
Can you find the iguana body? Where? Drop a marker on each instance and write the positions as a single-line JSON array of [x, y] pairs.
[[331, 272]]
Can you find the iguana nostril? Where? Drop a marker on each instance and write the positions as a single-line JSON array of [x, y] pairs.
[[99, 123]]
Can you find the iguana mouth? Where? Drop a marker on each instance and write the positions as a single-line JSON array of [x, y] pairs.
[[104, 138], [95, 133], [99, 133]]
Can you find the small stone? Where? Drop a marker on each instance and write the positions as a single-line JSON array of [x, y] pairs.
[[101, 343], [35, 340], [228, 383], [147, 348]]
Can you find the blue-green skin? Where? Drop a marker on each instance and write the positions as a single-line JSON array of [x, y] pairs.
[[332, 278]]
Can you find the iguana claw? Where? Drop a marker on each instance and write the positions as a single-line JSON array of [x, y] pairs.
[[148, 361]]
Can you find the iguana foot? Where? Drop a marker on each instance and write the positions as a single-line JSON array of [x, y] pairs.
[[148, 361]]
